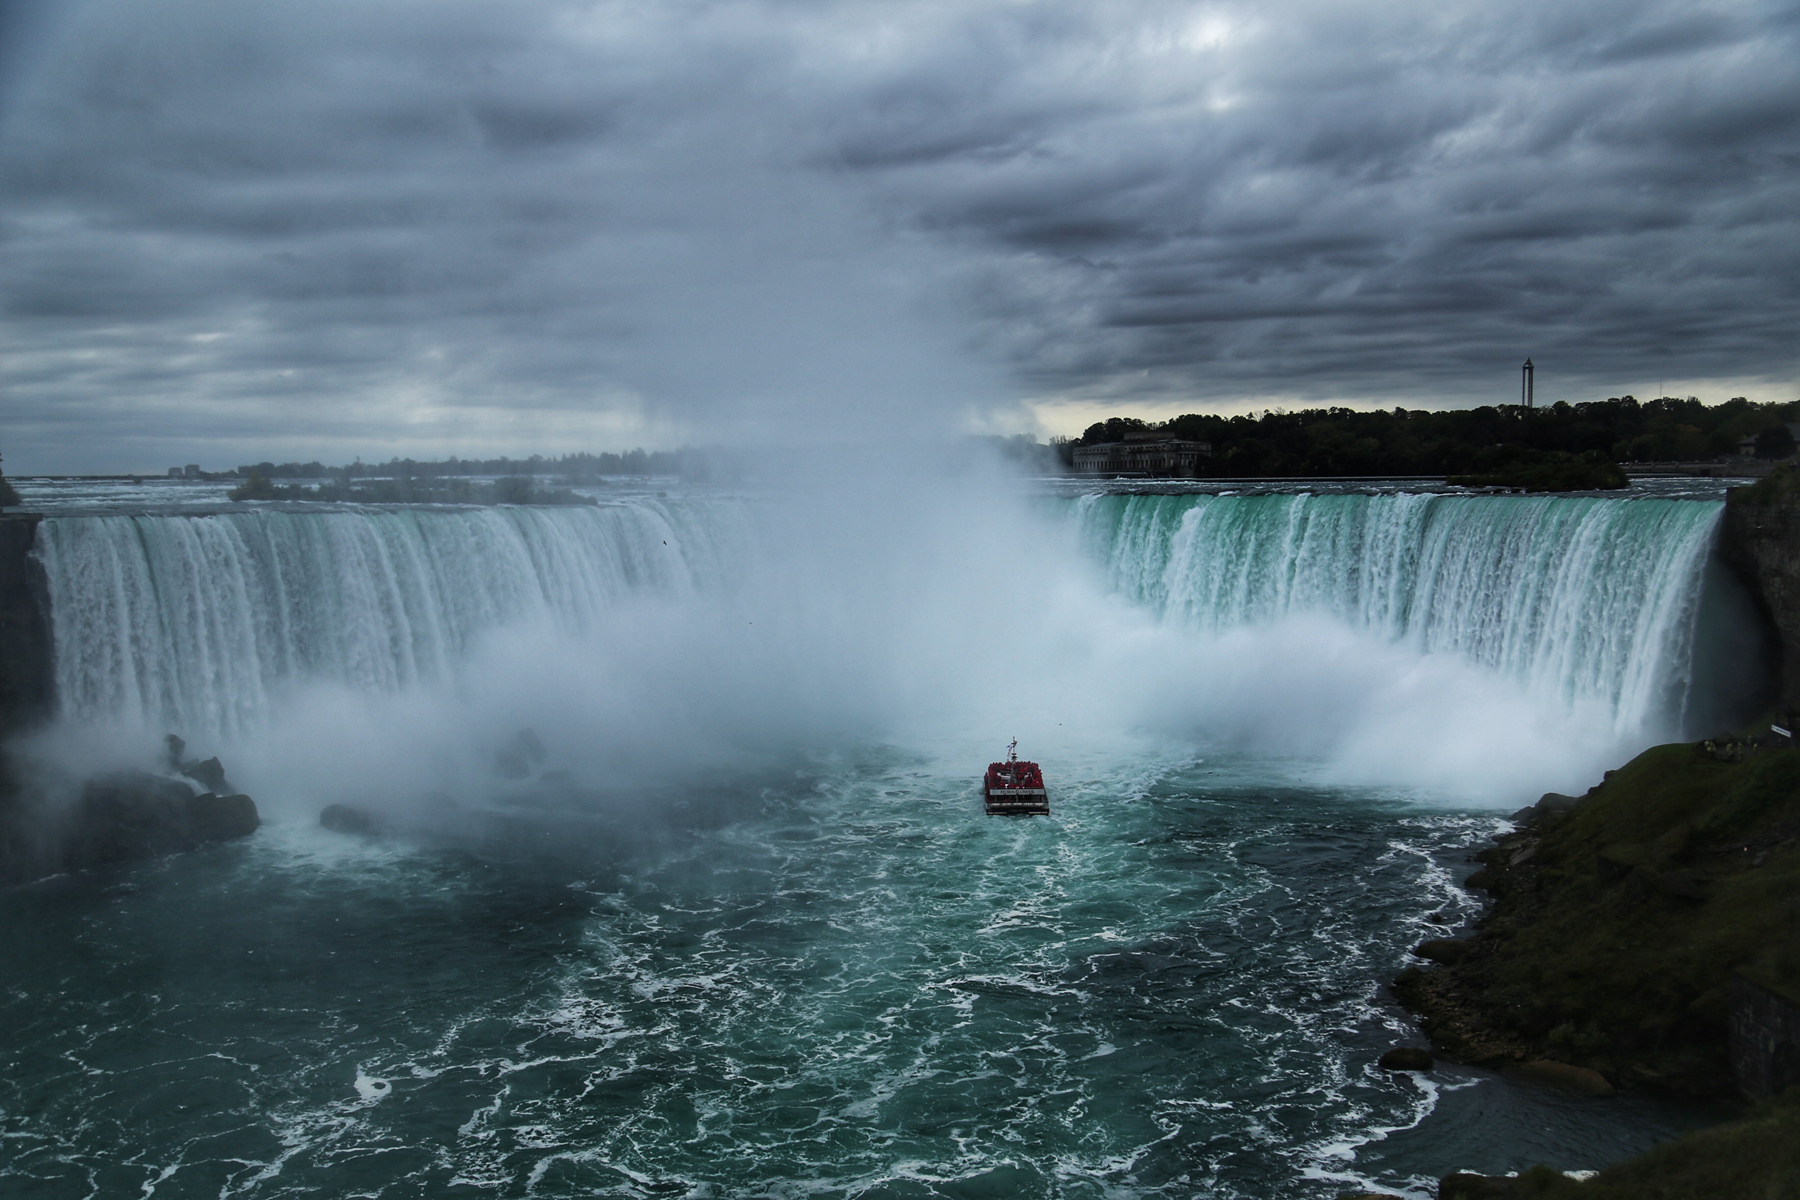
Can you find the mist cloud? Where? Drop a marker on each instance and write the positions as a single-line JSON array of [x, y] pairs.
[[427, 228]]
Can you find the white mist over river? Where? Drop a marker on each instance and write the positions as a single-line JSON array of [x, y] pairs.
[[741, 929]]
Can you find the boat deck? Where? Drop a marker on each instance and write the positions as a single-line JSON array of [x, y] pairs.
[[1015, 789]]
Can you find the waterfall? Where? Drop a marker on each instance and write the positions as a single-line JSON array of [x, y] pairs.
[[198, 621], [1578, 598]]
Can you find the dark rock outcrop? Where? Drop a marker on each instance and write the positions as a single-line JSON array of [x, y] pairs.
[[208, 773], [134, 815], [1464, 1185], [522, 752], [27, 686], [117, 818], [1618, 922], [1406, 1058], [1444, 950], [1761, 542], [1580, 1080], [341, 818]]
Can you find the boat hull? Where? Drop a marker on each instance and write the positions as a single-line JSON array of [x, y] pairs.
[[1017, 802]]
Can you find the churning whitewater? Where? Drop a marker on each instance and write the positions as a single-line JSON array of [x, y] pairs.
[[741, 930]]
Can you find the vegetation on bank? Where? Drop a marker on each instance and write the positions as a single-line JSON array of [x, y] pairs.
[[572, 467], [1618, 921], [1553, 471], [1780, 484], [1490, 441]]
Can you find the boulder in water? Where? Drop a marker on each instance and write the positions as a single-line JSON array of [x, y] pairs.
[[1444, 950], [134, 814], [1580, 1080], [1406, 1058], [1466, 1185], [521, 752], [218, 818], [341, 818]]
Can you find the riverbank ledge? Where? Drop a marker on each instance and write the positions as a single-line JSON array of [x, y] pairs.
[[1622, 918]]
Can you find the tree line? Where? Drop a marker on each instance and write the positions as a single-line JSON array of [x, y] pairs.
[[1470, 441], [571, 467]]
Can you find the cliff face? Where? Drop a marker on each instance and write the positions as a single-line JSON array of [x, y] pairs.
[[1762, 543], [26, 682]]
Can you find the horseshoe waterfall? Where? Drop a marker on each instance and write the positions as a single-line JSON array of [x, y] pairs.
[[669, 874]]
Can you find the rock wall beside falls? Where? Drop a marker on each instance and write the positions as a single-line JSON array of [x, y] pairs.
[[1761, 541], [27, 670]]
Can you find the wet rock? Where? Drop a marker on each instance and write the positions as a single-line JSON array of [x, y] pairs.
[[1465, 1185], [208, 773], [1406, 1058], [218, 818], [1580, 1080], [133, 814], [341, 818], [27, 673], [521, 753], [1444, 950]]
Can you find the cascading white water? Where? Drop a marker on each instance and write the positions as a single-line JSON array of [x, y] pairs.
[[201, 623], [197, 621], [1579, 599]]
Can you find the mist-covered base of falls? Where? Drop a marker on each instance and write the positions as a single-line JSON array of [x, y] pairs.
[[1477, 648]]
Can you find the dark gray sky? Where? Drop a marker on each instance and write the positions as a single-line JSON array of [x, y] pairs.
[[238, 229]]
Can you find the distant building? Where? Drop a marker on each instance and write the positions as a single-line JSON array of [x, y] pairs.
[[1148, 453], [175, 472], [1746, 446], [192, 471]]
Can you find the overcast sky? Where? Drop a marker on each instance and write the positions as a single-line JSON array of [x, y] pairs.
[[235, 229]]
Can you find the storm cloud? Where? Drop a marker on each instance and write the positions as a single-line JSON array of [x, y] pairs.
[[232, 231]]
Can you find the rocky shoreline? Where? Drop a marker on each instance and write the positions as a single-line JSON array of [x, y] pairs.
[[1630, 929]]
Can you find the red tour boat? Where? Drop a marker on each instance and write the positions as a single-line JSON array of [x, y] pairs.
[[1015, 787]]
